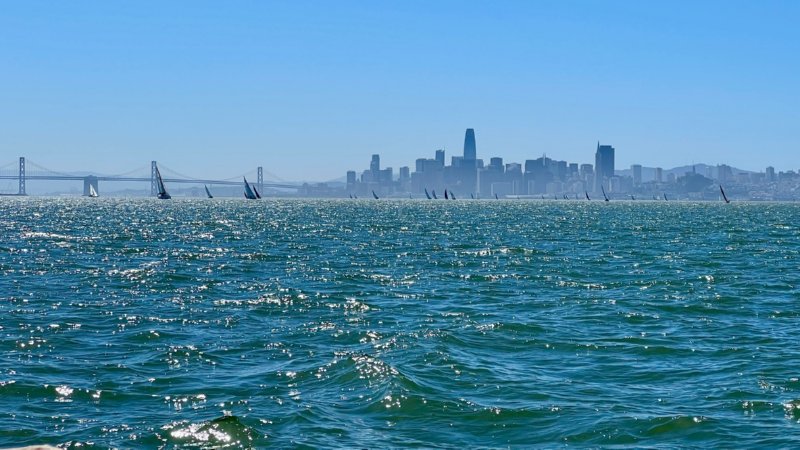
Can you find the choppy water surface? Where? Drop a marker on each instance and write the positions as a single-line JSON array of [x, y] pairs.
[[205, 323]]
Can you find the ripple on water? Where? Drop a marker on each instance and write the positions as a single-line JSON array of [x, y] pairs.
[[232, 324]]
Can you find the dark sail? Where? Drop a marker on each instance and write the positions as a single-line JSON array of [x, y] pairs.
[[162, 190], [724, 197], [248, 191]]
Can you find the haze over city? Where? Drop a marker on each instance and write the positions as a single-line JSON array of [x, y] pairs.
[[310, 90]]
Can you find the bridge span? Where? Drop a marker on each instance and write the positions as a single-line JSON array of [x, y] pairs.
[[23, 176]]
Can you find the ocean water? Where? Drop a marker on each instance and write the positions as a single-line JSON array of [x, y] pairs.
[[398, 323]]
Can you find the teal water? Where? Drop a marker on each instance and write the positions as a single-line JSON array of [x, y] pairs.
[[374, 324]]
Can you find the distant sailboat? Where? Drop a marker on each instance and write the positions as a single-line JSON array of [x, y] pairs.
[[565, 197], [665, 196], [92, 192], [724, 197], [426, 194], [452, 196], [471, 196], [208, 193], [248, 191], [162, 190], [496, 197], [445, 195], [587, 195], [654, 197], [351, 196], [375, 195], [633, 197], [604, 192], [433, 192]]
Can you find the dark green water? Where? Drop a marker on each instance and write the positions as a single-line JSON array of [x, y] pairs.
[[374, 324]]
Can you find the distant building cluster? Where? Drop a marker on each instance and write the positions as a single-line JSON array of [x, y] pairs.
[[467, 176]]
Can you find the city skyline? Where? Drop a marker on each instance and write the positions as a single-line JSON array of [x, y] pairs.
[[471, 175], [476, 177], [306, 89]]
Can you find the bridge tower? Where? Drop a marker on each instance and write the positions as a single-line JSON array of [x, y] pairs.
[[260, 179], [153, 182], [91, 180], [22, 175]]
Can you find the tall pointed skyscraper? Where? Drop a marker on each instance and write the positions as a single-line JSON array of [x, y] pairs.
[[469, 145]]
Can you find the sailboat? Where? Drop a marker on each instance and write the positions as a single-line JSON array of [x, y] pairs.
[[724, 197], [472, 196], [452, 196], [375, 195], [496, 197], [633, 197], [604, 192], [92, 192], [208, 193], [587, 195], [248, 191], [162, 191], [426, 194], [445, 195], [433, 192], [665, 196]]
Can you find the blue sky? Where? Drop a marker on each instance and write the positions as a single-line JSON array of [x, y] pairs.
[[312, 89]]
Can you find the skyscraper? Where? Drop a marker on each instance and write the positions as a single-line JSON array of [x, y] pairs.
[[470, 150], [375, 164], [603, 165], [636, 169], [440, 157]]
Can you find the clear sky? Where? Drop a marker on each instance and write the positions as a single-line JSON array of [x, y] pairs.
[[312, 89]]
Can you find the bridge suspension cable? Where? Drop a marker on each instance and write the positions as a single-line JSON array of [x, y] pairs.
[[233, 178], [45, 169], [11, 164], [175, 172], [141, 170]]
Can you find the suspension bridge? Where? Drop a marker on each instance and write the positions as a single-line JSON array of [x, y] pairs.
[[29, 171]]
